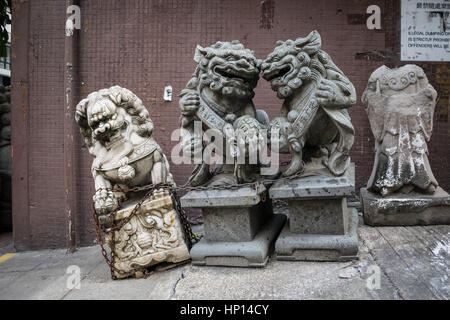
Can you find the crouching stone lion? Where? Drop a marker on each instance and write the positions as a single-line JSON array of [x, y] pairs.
[[118, 132]]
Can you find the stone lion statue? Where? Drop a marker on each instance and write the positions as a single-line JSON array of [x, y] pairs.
[[219, 95], [313, 121], [118, 132]]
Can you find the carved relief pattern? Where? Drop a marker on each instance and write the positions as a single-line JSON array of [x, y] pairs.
[[152, 235]]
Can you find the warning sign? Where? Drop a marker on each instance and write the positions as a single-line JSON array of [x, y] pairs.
[[425, 30]]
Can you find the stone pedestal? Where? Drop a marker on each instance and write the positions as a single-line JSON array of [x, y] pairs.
[[320, 227], [406, 209], [153, 235], [240, 227]]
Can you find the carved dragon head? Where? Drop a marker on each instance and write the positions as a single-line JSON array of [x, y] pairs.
[[107, 112], [293, 63], [227, 68]]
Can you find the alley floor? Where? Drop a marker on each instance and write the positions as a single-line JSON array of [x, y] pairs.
[[409, 262]]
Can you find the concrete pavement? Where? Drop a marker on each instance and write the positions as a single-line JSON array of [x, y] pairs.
[[413, 263]]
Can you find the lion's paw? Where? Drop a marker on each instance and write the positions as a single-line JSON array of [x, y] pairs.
[[105, 202]]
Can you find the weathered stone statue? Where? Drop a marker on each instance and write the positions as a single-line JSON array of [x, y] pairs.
[[118, 132], [313, 121], [315, 128], [239, 224], [219, 96], [400, 105]]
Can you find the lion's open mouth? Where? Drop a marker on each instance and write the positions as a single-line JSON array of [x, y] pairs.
[[279, 72], [102, 124], [105, 127], [234, 74]]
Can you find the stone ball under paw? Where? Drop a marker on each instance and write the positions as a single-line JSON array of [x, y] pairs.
[[126, 173]]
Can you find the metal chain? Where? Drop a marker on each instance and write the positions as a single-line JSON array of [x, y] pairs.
[[191, 238], [111, 260]]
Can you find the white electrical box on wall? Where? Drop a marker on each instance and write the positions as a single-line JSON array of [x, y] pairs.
[[167, 93]]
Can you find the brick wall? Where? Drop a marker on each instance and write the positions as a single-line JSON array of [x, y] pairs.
[[144, 46]]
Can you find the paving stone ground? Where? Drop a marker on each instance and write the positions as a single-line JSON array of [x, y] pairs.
[[413, 263]]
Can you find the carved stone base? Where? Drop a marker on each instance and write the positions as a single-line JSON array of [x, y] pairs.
[[175, 256], [153, 235], [319, 247], [321, 227], [240, 227], [253, 253], [406, 209]]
